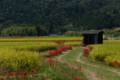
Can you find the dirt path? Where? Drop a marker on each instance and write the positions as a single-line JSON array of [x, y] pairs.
[[92, 75], [89, 74], [60, 57], [78, 60]]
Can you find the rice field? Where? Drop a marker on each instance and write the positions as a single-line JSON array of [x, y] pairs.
[[108, 52], [73, 43], [22, 57], [37, 39]]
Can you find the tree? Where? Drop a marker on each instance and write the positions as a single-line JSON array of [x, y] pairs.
[[38, 29]]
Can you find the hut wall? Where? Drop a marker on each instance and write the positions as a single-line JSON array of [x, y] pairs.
[[100, 38], [95, 39]]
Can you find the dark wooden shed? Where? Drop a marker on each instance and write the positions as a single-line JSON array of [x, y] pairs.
[[93, 37]]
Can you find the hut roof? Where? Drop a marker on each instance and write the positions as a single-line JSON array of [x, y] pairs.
[[92, 32]]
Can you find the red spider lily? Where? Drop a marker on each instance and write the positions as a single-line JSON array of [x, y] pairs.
[[52, 53], [52, 64], [63, 48], [90, 47], [14, 73], [46, 78], [85, 50], [32, 73], [57, 51], [115, 62], [32, 69], [6, 74], [24, 73], [41, 68], [36, 68], [79, 68], [66, 47], [104, 60], [118, 63], [83, 45], [72, 64], [50, 61], [78, 78], [0, 78]]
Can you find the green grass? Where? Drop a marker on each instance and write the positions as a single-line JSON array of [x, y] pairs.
[[103, 74]]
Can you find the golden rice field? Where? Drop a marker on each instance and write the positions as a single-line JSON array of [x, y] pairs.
[[72, 43], [28, 45], [109, 52], [23, 57], [24, 53], [32, 39]]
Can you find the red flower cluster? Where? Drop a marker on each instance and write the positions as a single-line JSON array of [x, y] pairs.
[[83, 45], [55, 52], [23, 73], [79, 68], [6, 74], [51, 62], [78, 78], [116, 62], [15, 72], [85, 50], [90, 47]]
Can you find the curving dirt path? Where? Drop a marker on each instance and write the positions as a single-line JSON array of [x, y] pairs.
[[59, 58], [78, 60], [89, 74]]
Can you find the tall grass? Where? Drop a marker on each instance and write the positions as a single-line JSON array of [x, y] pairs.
[[12, 60]]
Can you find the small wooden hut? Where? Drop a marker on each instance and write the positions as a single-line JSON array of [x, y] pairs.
[[93, 37]]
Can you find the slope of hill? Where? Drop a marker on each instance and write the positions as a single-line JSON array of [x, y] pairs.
[[61, 14]]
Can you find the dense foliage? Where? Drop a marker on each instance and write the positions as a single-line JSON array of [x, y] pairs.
[[58, 16], [112, 32]]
